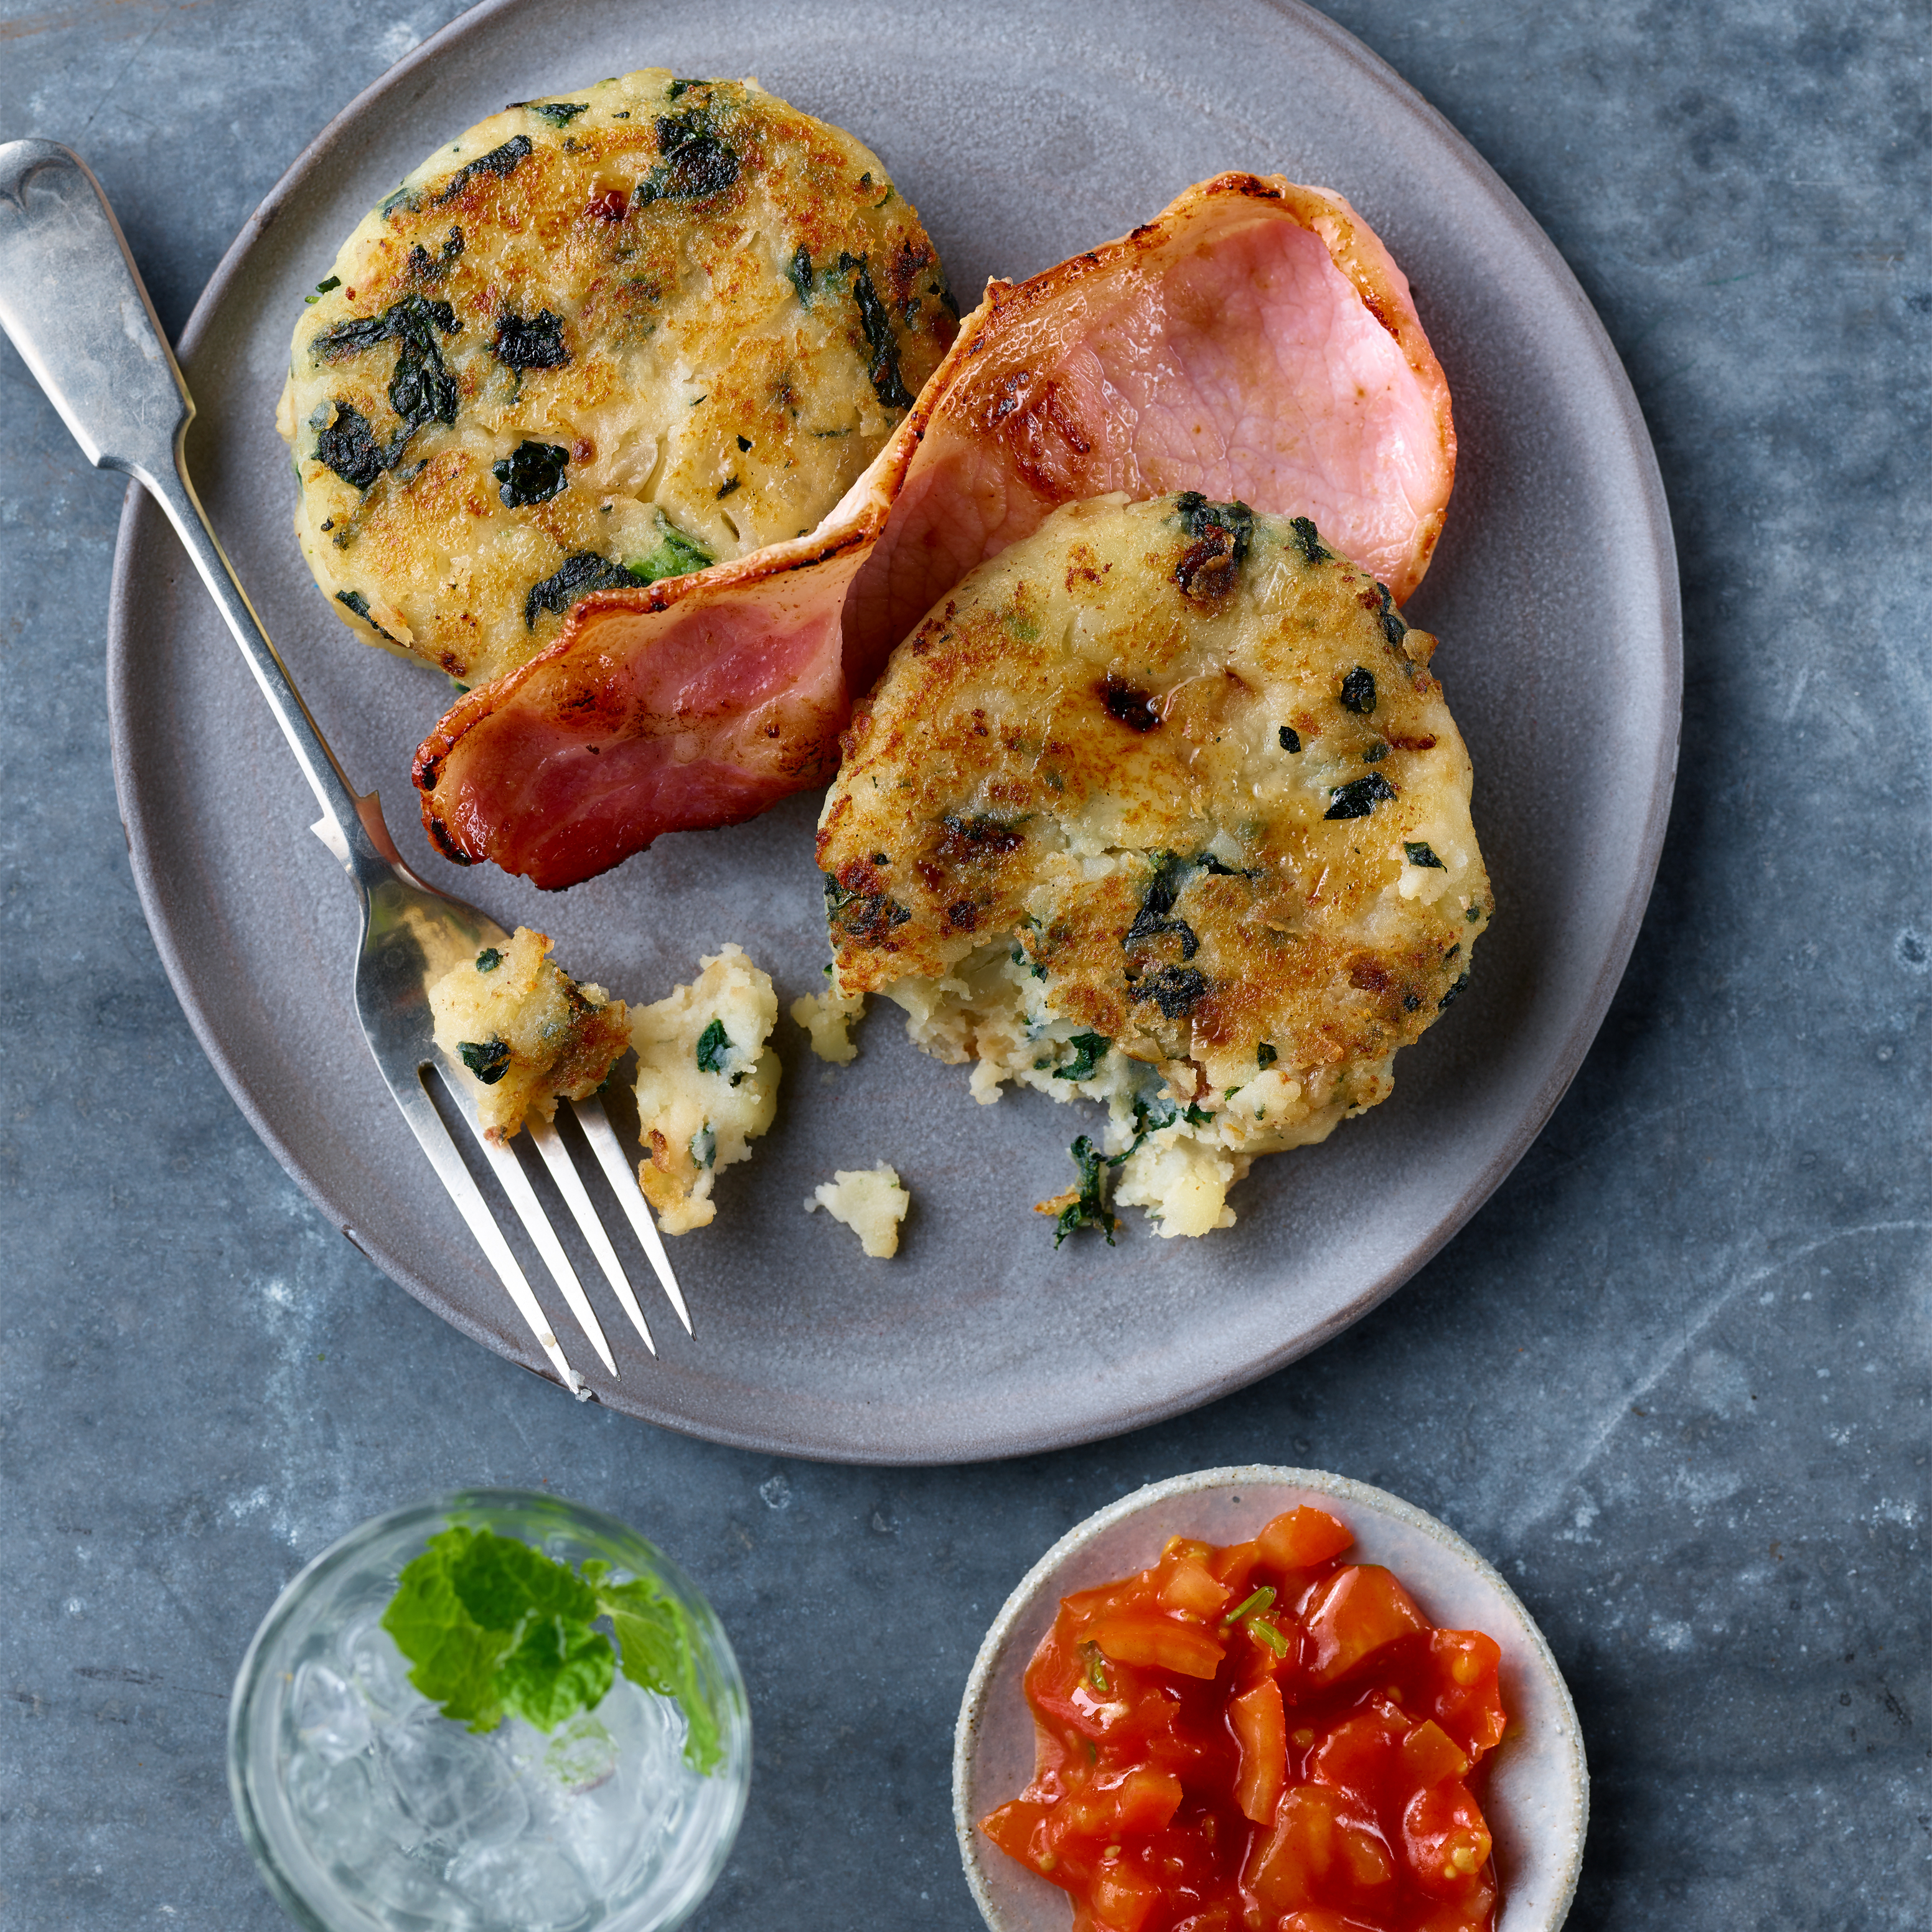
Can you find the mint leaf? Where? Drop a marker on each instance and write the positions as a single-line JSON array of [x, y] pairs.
[[659, 1651], [560, 1667], [454, 1657], [501, 1582], [489, 1624]]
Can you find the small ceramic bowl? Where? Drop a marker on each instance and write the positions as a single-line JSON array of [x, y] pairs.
[[1536, 1798]]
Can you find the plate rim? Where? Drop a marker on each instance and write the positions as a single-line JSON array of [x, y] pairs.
[[1348, 1490], [139, 517]]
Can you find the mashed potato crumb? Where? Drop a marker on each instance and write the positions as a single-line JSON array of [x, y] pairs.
[[707, 1084], [524, 1034], [828, 1018], [872, 1202]]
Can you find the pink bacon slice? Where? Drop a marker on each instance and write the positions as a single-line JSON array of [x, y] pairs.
[[1254, 341]]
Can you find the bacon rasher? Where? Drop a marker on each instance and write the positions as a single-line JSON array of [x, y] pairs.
[[1254, 341]]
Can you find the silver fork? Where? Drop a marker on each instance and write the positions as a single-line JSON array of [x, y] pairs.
[[73, 302]]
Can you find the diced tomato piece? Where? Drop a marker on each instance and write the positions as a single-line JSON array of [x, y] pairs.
[[1143, 1801], [1284, 1867], [1355, 1756], [1358, 1611], [1469, 1699], [1302, 1538], [1430, 1754], [1321, 1920], [1122, 1897], [1445, 1838], [1235, 1565], [1134, 1637], [1012, 1828], [1261, 1729], [1190, 1587], [1215, 1918]]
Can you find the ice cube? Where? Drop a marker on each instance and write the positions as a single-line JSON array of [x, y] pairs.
[[609, 1827], [529, 1884], [582, 1754], [334, 1805], [378, 1668], [331, 1719], [457, 1786], [413, 1890]]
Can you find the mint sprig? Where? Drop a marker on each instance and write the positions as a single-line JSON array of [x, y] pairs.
[[489, 1625]]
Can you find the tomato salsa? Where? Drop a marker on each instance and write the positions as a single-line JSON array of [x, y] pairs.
[[1259, 1738]]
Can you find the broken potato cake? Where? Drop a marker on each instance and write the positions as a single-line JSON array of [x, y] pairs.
[[599, 339], [707, 1084], [1161, 808], [525, 1033]]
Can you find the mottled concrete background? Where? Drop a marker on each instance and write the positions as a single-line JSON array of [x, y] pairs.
[[1673, 1379]]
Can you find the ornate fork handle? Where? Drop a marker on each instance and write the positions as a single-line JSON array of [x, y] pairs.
[[72, 301]]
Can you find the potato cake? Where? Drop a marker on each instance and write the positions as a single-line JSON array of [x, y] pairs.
[[1162, 808], [604, 338]]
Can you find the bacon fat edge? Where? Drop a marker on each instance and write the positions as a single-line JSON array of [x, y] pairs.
[[1255, 340]]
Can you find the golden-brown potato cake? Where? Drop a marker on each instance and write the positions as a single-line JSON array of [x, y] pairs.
[[604, 338], [1161, 807]]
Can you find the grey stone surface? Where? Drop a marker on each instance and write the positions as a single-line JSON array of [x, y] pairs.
[[1673, 1379]]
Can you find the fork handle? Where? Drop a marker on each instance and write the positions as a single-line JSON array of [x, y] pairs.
[[73, 302]]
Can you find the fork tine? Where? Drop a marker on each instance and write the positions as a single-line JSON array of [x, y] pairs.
[[570, 1185], [433, 1137], [605, 1145], [516, 1184]]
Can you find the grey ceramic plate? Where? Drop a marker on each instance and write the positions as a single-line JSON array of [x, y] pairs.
[[1536, 1792], [1022, 134]]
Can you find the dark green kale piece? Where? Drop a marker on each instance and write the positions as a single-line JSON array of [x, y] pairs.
[[488, 960], [1454, 992], [1359, 796], [714, 1047], [577, 576], [799, 270], [498, 161], [357, 602], [532, 342], [1420, 853], [694, 162], [1207, 568], [1358, 692], [884, 369], [349, 447], [1171, 873], [1089, 1209], [489, 1059], [558, 113], [1393, 628], [1265, 1055], [421, 390], [533, 472], [425, 267], [1176, 990], [862, 915], [1089, 1050], [1198, 516], [1290, 738]]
